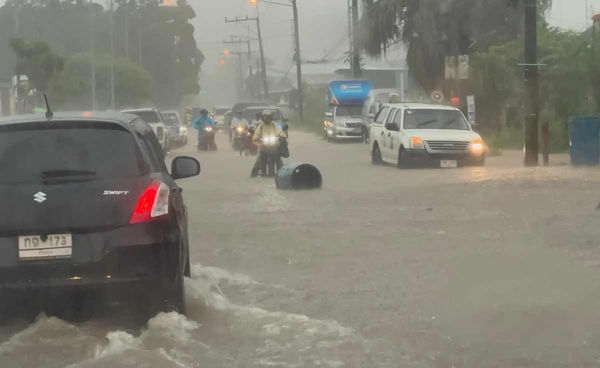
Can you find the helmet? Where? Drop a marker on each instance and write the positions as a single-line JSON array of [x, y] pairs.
[[267, 113], [204, 112]]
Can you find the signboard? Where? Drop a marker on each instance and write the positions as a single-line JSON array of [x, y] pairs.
[[471, 109], [349, 92]]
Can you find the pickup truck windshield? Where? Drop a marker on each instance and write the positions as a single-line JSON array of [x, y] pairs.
[[355, 111], [434, 119]]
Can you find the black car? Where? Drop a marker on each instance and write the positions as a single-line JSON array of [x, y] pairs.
[[88, 203]]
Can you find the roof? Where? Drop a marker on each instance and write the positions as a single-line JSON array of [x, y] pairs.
[[420, 106], [124, 120], [140, 109]]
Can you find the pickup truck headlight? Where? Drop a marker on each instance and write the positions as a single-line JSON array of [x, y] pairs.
[[416, 143], [477, 146]]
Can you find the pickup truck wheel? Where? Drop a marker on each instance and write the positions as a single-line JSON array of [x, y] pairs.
[[376, 155], [480, 162], [403, 159]]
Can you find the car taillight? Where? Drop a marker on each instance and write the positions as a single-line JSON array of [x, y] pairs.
[[153, 203]]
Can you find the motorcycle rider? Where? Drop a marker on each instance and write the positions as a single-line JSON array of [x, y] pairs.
[[202, 122], [266, 128], [238, 121]]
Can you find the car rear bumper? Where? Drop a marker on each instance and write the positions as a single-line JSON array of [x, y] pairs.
[[422, 157], [131, 254]]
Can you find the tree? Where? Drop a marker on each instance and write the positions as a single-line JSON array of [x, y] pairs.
[[37, 62], [72, 88], [434, 29]]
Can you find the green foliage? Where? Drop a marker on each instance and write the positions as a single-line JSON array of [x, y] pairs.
[[434, 29], [161, 37], [72, 88], [315, 101], [37, 61], [566, 86]]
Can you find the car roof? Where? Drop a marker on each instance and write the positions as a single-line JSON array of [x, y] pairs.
[[119, 118], [420, 106], [141, 109]]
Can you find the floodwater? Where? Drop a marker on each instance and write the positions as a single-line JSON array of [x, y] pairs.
[[474, 267]]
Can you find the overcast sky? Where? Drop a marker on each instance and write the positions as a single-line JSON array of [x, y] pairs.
[[323, 26]]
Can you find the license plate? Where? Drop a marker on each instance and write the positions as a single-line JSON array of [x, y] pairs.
[[448, 164], [33, 247]]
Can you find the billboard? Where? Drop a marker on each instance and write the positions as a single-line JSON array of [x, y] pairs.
[[349, 92]]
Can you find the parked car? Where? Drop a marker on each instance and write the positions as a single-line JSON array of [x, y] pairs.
[[407, 134], [90, 215], [178, 132], [153, 117]]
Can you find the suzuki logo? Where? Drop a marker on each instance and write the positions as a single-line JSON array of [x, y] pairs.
[[40, 197]]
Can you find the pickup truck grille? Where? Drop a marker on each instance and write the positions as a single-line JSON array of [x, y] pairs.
[[353, 125], [448, 146]]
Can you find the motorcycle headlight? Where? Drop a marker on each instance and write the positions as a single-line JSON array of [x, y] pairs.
[[208, 129], [270, 140], [240, 129]]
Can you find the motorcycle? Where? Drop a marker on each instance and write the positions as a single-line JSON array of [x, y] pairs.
[[238, 135], [247, 147], [270, 155], [208, 140]]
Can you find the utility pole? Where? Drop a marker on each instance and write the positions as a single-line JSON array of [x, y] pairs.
[[234, 41], [356, 72], [93, 54], [112, 57], [531, 85], [262, 51], [298, 58]]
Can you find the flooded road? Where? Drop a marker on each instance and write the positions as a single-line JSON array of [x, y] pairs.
[[475, 267]]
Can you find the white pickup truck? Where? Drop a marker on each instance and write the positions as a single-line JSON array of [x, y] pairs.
[[406, 134]]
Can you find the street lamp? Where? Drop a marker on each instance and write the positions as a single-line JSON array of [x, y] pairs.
[[297, 56]]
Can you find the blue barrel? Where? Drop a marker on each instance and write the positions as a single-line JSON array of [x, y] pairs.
[[584, 136], [299, 177]]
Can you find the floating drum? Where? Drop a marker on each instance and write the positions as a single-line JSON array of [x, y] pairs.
[[299, 177]]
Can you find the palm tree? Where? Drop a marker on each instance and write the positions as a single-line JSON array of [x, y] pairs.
[[434, 29]]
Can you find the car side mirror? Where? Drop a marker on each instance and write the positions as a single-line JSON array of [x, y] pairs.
[[475, 126], [329, 114], [286, 128], [184, 167]]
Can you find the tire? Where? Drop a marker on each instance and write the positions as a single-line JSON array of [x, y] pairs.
[[403, 160], [480, 162], [171, 298], [376, 155]]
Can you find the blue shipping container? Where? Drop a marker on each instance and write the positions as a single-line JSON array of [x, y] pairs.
[[584, 136]]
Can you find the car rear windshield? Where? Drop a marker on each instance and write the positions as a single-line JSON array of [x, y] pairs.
[[147, 116], [221, 111], [250, 114], [434, 119], [354, 111], [29, 153]]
